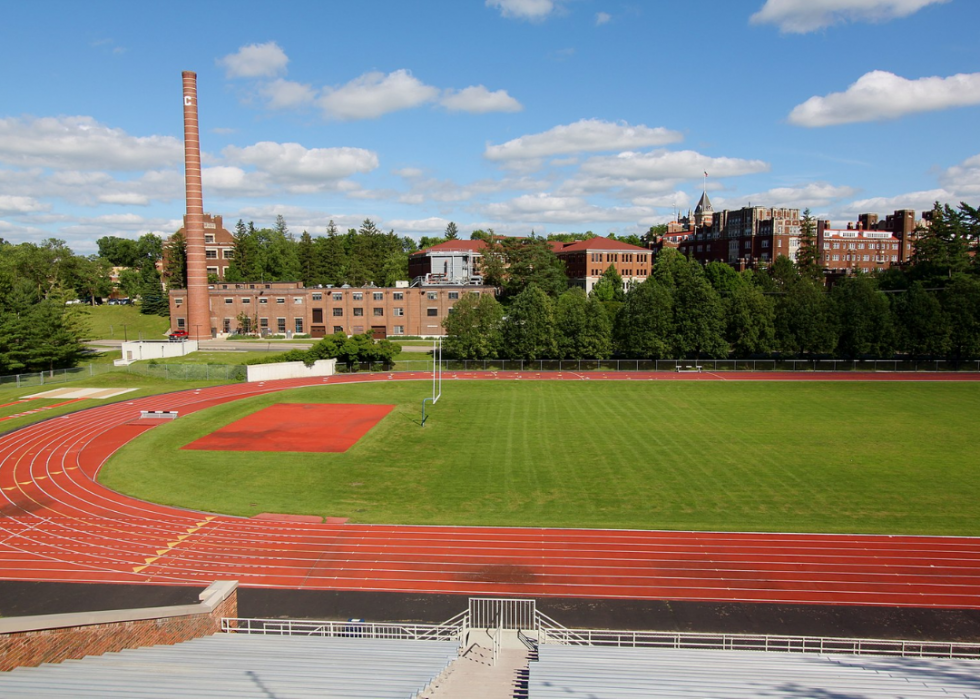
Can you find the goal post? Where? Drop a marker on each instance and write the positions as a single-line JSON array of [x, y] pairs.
[[436, 376]]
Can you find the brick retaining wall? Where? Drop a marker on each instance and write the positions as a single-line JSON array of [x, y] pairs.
[[57, 637]]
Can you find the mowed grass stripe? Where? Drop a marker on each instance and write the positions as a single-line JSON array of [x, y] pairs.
[[817, 457]]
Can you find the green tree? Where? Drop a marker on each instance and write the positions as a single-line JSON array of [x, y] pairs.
[[309, 272], [529, 328], [332, 257], [473, 327], [804, 322], [452, 233], [943, 249], [808, 256], [493, 261], [961, 306], [698, 318], [921, 328], [531, 261], [175, 262], [245, 264], [121, 252], [750, 320], [644, 326], [610, 286], [583, 328], [863, 318]]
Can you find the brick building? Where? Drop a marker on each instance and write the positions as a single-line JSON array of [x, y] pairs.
[[743, 238], [219, 245], [286, 308], [458, 261], [586, 260], [856, 250]]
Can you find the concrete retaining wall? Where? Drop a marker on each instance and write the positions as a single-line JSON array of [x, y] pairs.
[[136, 351], [28, 641], [291, 370]]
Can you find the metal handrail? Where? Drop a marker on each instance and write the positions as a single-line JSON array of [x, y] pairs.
[[760, 642], [343, 629]]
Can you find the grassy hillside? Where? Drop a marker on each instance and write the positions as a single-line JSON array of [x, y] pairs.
[[123, 322]]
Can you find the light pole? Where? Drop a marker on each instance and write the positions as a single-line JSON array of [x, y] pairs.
[[197, 332], [125, 336]]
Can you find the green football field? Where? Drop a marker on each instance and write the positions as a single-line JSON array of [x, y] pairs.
[[772, 456]]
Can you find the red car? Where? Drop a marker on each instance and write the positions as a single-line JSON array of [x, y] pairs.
[[178, 335]]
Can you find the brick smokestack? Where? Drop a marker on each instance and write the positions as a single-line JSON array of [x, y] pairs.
[[198, 305]]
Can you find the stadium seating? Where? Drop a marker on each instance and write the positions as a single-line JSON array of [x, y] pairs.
[[228, 665], [578, 672]]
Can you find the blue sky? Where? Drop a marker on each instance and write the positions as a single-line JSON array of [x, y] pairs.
[[516, 115]]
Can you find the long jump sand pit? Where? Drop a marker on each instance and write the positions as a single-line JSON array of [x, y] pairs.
[[302, 427]]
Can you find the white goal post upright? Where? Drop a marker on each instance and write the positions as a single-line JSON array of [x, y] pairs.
[[436, 376]]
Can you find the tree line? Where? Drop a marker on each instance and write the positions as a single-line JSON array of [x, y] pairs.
[[930, 308]]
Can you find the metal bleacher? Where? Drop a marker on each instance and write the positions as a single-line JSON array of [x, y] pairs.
[[241, 665], [577, 672]]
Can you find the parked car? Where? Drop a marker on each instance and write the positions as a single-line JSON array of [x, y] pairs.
[[177, 335]]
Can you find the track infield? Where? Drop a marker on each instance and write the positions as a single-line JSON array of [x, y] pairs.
[[298, 427], [58, 524]]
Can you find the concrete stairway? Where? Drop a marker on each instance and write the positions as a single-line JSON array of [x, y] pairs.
[[475, 676]]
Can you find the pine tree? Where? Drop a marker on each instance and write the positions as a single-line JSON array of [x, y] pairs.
[[452, 233], [808, 255]]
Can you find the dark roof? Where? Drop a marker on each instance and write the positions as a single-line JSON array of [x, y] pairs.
[[704, 205]]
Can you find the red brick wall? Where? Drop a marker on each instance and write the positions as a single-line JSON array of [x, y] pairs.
[[31, 648]]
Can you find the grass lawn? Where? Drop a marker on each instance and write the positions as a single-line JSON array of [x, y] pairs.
[[106, 323], [817, 457], [144, 385]]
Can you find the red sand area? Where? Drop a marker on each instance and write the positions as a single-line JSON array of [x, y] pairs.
[[296, 427]]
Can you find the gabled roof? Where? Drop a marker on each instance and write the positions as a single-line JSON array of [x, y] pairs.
[[602, 244], [704, 205]]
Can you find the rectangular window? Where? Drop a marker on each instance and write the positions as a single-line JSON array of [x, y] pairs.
[[398, 330], [213, 270], [432, 295], [398, 296], [227, 325], [297, 300], [317, 296], [264, 323], [180, 323], [398, 311], [378, 296], [338, 312], [209, 237], [453, 295], [263, 300], [280, 300], [228, 254], [281, 324], [317, 315], [178, 300], [358, 296], [227, 300], [358, 311], [211, 254], [246, 300], [431, 312], [337, 296], [299, 325], [379, 312], [338, 329]]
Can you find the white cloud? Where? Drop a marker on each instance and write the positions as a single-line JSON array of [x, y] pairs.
[[291, 162], [375, 94], [675, 165], [20, 205], [255, 61], [433, 224], [286, 94], [125, 199], [584, 135], [802, 16], [602, 18], [964, 179], [82, 143], [920, 201], [547, 208], [409, 173], [883, 95], [523, 9], [479, 100], [814, 195]]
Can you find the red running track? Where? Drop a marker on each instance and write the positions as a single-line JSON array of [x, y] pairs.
[[58, 524]]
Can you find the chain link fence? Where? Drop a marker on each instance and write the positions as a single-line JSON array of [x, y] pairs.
[[167, 372]]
